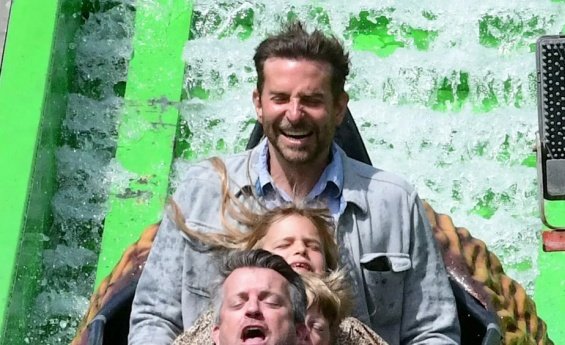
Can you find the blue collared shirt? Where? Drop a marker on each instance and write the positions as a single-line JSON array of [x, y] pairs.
[[328, 189]]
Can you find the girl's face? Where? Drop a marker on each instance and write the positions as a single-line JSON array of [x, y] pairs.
[[318, 327], [297, 240]]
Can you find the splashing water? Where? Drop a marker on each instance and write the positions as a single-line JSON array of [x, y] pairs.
[[85, 171]]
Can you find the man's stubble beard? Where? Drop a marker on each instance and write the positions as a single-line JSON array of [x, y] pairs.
[[303, 157]]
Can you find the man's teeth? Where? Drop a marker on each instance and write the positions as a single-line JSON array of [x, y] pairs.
[[296, 134]]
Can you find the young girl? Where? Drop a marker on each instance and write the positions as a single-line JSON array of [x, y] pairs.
[[304, 237], [245, 229]]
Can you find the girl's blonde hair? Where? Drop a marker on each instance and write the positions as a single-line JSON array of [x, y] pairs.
[[244, 228]]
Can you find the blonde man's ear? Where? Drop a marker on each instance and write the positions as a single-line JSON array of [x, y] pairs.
[[216, 334]]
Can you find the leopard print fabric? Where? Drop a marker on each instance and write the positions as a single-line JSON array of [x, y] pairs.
[[351, 332]]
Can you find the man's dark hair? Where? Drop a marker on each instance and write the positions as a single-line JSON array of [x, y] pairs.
[[294, 42], [260, 258]]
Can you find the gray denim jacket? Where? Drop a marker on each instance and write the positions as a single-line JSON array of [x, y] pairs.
[[385, 241]]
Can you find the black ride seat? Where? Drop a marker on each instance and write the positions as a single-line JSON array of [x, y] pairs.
[[478, 325]]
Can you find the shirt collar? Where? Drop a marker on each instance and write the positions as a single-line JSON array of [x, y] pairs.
[[330, 182]]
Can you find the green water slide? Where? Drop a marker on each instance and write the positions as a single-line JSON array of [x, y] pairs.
[[33, 89], [35, 80]]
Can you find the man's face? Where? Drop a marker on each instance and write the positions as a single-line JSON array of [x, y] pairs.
[[256, 310], [297, 109]]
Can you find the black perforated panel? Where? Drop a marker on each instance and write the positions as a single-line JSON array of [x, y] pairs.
[[552, 84], [551, 106]]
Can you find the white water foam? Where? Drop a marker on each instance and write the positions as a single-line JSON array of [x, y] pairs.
[[85, 171]]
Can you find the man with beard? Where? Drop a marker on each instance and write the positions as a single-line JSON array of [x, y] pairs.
[[260, 299], [384, 236]]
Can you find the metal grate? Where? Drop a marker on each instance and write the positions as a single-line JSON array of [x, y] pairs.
[[551, 106]]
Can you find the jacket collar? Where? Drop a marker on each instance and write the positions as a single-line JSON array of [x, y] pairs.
[[246, 175]]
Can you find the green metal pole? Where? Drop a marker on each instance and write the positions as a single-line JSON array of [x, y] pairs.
[[148, 126], [22, 89]]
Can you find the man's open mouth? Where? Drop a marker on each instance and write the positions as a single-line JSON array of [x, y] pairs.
[[253, 334], [296, 134]]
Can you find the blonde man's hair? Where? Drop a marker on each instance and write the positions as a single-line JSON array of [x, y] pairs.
[[332, 295]]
